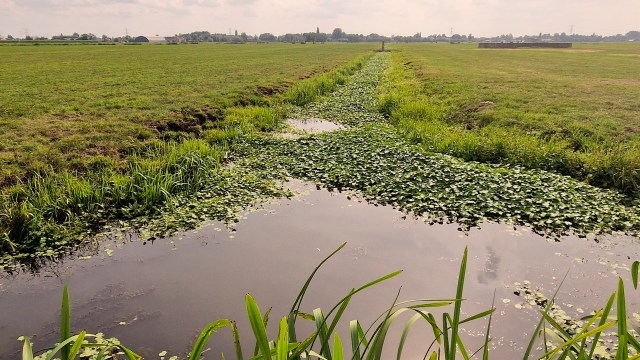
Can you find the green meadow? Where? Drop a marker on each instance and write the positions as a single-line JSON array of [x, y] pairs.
[[572, 111], [75, 107], [145, 134], [159, 138]]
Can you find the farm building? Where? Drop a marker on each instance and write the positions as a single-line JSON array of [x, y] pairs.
[[157, 39]]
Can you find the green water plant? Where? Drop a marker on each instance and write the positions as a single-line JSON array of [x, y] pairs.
[[324, 342], [81, 345]]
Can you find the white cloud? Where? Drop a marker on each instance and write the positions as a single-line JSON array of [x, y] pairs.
[[480, 17]]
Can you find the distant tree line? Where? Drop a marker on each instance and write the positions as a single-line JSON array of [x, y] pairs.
[[337, 35]]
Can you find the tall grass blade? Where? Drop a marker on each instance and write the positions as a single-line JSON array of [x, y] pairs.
[[633, 342], [298, 301], [128, 353], [405, 333], [257, 325], [477, 316], [59, 347], [363, 287], [202, 339], [458, 305], [357, 337], [623, 349], [445, 338], [381, 333], [65, 321], [634, 273], [603, 319], [485, 352], [282, 346], [338, 352], [295, 308], [265, 321], [323, 333], [542, 319], [340, 311], [303, 346], [27, 349], [77, 345], [568, 344], [236, 341]]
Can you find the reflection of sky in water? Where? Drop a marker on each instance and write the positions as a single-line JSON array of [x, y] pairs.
[[313, 125], [159, 295]]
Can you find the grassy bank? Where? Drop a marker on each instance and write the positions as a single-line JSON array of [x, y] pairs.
[[54, 208], [67, 107], [573, 112]]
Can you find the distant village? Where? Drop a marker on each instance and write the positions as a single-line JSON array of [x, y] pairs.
[[337, 35]]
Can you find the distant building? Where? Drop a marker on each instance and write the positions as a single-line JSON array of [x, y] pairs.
[[155, 39]]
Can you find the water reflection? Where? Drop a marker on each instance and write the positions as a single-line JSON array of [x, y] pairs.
[[490, 267], [313, 125], [159, 295]]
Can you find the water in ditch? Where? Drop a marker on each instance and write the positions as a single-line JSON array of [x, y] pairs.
[[158, 296]]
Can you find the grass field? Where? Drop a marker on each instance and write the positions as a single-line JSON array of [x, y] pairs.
[[68, 107], [573, 111], [92, 134]]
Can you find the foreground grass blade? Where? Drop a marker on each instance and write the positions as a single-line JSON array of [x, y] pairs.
[[603, 320], [485, 352], [59, 348], [458, 305], [257, 324], [303, 346], [295, 308], [236, 341], [542, 319], [340, 311], [298, 301], [338, 352], [405, 333], [27, 349], [568, 344], [623, 349], [282, 346], [381, 333], [634, 273], [65, 321], [130, 354], [357, 337], [323, 333], [445, 337], [77, 345], [201, 341]]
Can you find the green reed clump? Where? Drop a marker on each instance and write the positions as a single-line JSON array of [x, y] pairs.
[[308, 90], [49, 201]]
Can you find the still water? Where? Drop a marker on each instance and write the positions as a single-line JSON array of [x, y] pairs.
[[158, 296]]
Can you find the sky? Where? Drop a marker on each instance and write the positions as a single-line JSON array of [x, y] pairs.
[[386, 17]]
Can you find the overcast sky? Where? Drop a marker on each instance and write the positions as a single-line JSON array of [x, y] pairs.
[[386, 17]]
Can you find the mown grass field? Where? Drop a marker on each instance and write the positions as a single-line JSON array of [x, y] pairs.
[[93, 134], [573, 111], [67, 107]]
